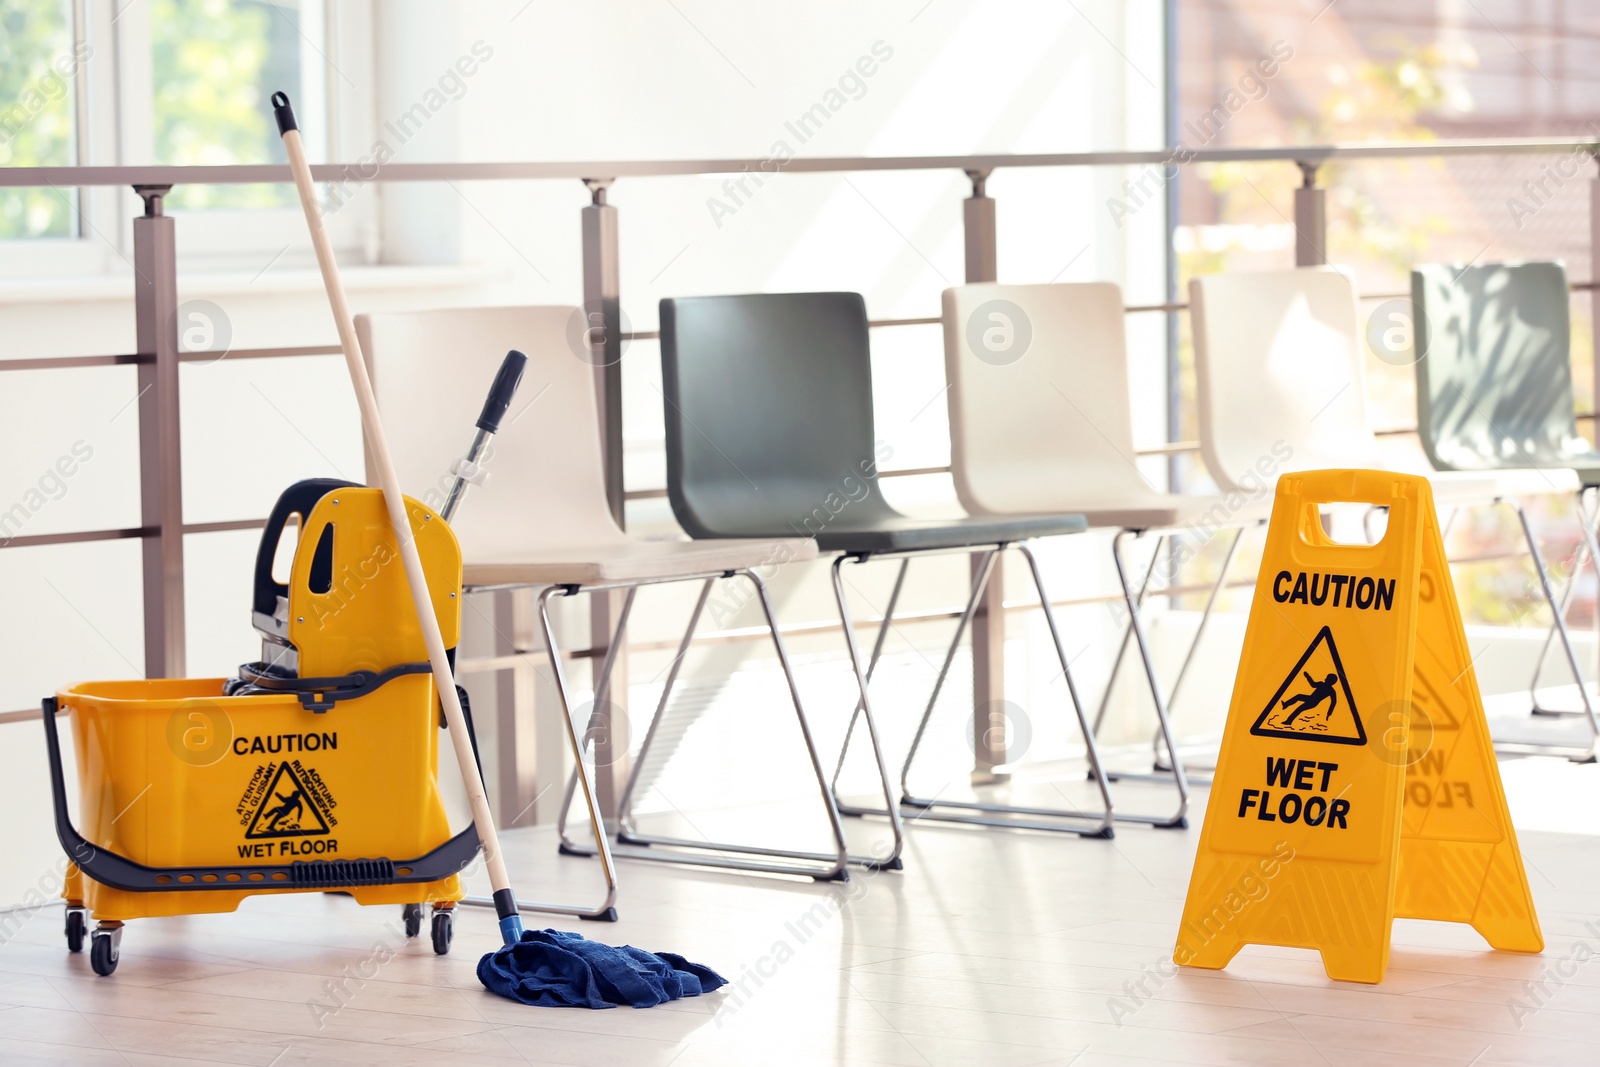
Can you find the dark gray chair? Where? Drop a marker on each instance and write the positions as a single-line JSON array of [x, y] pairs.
[[1494, 391], [769, 427]]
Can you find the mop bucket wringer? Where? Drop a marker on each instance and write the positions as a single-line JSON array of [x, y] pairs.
[[315, 771]]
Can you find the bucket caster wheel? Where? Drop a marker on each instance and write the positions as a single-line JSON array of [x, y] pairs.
[[444, 927], [105, 948], [412, 913], [77, 926]]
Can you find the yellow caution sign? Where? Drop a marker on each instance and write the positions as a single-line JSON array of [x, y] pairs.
[[1357, 781]]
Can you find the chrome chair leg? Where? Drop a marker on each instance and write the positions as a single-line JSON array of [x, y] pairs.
[[1162, 771], [1011, 816], [979, 583], [890, 809], [1179, 776], [606, 910], [632, 844], [1583, 554], [1127, 638], [625, 802], [1578, 754], [598, 718], [872, 665]]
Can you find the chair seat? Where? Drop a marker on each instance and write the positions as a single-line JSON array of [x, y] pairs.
[[629, 559], [899, 533], [1155, 511], [1476, 487]]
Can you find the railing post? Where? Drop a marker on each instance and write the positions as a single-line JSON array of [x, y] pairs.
[[1594, 294], [516, 749], [602, 308], [155, 299], [1310, 219], [989, 620]]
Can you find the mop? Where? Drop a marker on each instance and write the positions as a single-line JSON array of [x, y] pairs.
[[545, 967]]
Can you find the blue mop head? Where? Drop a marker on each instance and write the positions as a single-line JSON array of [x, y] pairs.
[[554, 969]]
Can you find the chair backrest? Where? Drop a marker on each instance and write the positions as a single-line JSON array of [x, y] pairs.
[[768, 412], [1494, 381], [1280, 373], [431, 371], [1040, 417]]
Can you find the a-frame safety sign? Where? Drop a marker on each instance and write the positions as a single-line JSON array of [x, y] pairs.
[[1357, 781]]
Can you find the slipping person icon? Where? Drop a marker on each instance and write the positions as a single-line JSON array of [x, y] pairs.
[[1320, 691], [289, 807]]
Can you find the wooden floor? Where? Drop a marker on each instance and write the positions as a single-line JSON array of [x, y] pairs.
[[989, 949]]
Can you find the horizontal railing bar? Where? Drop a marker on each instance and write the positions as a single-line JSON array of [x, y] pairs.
[[934, 321], [136, 358], [225, 526], [260, 353], [124, 533], [655, 335], [903, 472], [23, 177], [75, 537], [67, 362], [914, 472]]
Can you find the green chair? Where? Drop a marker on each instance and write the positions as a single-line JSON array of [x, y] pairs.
[[769, 426], [1494, 391]]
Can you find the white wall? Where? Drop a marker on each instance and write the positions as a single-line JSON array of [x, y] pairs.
[[609, 80]]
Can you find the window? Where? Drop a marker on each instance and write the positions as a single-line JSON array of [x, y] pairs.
[[171, 82], [214, 63], [38, 71]]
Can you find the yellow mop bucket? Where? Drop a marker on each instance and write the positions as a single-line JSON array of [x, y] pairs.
[[316, 770]]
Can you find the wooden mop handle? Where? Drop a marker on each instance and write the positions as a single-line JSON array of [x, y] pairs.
[[389, 482]]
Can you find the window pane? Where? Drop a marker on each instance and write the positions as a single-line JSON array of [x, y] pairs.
[[37, 67], [215, 64]]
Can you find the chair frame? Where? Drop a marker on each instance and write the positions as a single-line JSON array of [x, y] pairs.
[[1163, 736], [927, 808], [633, 844], [1558, 608], [606, 910], [1585, 555]]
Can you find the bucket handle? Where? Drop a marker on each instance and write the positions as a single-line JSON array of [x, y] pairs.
[[119, 872]]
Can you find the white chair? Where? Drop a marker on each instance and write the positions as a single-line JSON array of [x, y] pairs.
[[544, 521], [1041, 421]]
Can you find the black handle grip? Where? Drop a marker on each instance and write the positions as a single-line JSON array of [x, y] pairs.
[[283, 111], [506, 380], [298, 499]]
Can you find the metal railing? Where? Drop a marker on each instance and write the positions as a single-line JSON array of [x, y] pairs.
[[162, 528]]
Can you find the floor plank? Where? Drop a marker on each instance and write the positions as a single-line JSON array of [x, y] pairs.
[[991, 948]]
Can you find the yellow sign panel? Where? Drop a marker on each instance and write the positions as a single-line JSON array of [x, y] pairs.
[[1357, 780]]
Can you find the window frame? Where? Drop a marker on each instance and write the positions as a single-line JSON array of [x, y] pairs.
[[113, 103]]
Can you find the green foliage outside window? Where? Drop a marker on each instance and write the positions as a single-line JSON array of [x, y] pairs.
[[216, 62], [37, 65]]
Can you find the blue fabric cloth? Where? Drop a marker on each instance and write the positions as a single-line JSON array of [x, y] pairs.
[[554, 969]]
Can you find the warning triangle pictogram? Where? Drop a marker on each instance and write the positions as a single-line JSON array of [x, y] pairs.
[[1314, 702], [287, 810]]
